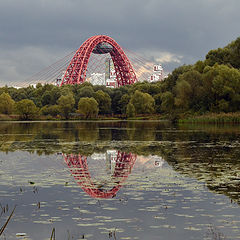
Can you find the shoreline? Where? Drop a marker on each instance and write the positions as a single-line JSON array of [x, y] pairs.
[[209, 118]]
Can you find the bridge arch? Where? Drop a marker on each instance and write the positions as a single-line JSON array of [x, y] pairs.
[[77, 69], [79, 169]]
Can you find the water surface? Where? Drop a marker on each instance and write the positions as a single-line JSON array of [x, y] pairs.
[[119, 180]]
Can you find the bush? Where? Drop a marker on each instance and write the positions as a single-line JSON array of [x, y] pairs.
[[53, 110], [26, 109], [88, 107], [130, 110], [6, 103]]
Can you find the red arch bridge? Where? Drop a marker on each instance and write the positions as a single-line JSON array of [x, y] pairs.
[[98, 59], [79, 169]]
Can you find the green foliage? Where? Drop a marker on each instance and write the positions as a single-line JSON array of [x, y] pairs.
[[88, 107], [66, 104], [19, 94], [167, 102], [199, 66], [26, 109], [104, 102], [143, 102], [118, 101], [6, 103], [220, 56], [130, 111], [170, 82], [158, 102], [124, 102], [183, 97], [217, 118], [46, 98], [52, 110], [86, 91], [229, 55]]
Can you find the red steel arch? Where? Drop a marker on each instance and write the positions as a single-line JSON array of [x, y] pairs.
[[79, 169], [77, 69]]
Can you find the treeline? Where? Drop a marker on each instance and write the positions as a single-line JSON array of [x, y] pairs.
[[212, 85], [77, 101]]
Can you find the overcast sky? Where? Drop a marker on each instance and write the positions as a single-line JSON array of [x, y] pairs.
[[36, 33]]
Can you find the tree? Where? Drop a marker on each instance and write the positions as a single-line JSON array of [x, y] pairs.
[[26, 109], [130, 111], [167, 102], [86, 91], [220, 56], [183, 97], [124, 102], [20, 94], [226, 85], [143, 102], [6, 103], [229, 55], [223, 105], [52, 110], [158, 102], [171, 80], [104, 102], [46, 98], [116, 97], [88, 107], [66, 104], [55, 95]]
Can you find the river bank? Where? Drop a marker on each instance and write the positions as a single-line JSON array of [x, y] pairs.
[[212, 118]]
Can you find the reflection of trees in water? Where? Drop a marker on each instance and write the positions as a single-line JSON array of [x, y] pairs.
[[207, 153], [215, 164], [141, 131], [49, 137], [79, 168]]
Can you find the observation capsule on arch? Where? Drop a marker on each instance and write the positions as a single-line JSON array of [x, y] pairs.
[[102, 48]]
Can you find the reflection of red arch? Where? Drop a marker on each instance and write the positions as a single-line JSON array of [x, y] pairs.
[[79, 169], [77, 69]]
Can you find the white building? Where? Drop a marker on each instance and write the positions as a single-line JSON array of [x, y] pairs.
[[97, 79], [157, 74], [98, 156], [111, 157], [112, 81]]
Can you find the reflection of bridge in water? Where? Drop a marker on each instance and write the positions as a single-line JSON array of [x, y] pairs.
[[79, 168]]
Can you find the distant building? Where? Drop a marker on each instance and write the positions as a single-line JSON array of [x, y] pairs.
[[98, 156], [110, 74], [98, 79], [111, 158], [17, 87], [111, 83], [157, 74], [107, 68]]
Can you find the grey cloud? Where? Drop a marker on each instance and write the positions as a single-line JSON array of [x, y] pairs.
[[187, 28]]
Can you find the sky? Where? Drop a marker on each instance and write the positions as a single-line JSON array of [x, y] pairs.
[[36, 33]]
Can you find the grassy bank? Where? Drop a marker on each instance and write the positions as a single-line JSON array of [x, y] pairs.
[[212, 118], [4, 117], [216, 118]]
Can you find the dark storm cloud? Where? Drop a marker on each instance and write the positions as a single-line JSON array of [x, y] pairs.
[[33, 34]]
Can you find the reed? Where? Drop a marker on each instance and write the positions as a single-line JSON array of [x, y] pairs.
[[53, 235], [216, 118], [6, 223]]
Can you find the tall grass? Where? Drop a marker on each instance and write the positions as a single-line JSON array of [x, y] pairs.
[[6, 223], [216, 118]]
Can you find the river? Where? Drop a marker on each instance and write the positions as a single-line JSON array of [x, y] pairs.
[[119, 180]]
